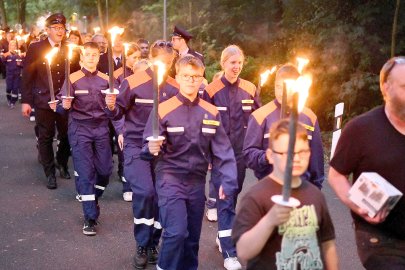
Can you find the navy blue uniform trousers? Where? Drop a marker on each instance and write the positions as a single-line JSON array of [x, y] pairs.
[[140, 175], [91, 153], [181, 205]]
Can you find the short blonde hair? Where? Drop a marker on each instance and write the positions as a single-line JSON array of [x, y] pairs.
[[230, 51]]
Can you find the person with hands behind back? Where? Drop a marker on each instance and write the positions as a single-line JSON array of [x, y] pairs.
[[272, 236]]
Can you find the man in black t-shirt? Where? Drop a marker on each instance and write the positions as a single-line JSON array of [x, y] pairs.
[[375, 142], [271, 236]]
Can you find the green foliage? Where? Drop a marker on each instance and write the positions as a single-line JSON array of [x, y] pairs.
[[346, 41]]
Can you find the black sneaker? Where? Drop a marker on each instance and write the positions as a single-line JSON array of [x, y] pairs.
[[89, 227], [153, 255], [140, 258]]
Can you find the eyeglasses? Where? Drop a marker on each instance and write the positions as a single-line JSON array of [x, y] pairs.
[[58, 28], [389, 66], [163, 44], [194, 78], [301, 153]]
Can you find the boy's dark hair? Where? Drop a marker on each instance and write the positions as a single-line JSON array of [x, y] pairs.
[[90, 44], [281, 127], [142, 41], [189, 60]]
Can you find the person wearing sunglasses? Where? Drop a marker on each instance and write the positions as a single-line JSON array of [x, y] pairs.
[[35, 91], [257, 133], [180, 39], [375, 142], [134, 103]]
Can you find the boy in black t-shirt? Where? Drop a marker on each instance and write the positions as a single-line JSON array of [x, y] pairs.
[[271, 236]]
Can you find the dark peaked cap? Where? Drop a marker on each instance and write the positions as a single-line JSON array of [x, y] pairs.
[[56, 18], [180, 32]]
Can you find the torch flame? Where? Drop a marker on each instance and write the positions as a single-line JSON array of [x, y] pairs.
[[302, 62], [70, 50], [96, 29], [20, 31], [264, 76], [126, 48], [161, 71], [114, 32], [25, 37], [302, 85], [51, 54], [18, 37], [289, 86], [73, 28]]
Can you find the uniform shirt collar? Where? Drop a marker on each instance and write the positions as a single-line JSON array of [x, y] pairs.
[[227, 83], [184, 52], [52, 43], [186, 101], [88, 73]]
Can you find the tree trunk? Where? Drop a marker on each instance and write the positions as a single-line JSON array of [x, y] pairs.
[[100, 16], [3, 18], [394, 28], [21, 11]]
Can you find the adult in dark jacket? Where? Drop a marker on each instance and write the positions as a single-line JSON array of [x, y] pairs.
[[36, 93]]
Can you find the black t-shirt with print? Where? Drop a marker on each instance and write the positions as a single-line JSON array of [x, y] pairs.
[[311, 216]]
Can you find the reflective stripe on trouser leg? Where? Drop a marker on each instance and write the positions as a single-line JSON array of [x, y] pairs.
[[181, 210], [226, 215], [138, 173], [87, 153]]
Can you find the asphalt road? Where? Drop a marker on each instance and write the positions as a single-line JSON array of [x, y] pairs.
[[42, 229]]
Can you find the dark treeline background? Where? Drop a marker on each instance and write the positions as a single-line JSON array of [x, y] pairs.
[[346, 41]]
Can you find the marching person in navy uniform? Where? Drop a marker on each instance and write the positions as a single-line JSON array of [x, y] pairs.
[[180, 39], [89, 133], [13, 62], [35, 91], [135, 103], [235, 99], [257, 133], [133, 55], [194, 136]]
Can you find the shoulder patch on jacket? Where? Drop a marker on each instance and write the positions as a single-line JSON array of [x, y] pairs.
[[208, 107], [260, 114], [248, 87], [118, 72], [172, 82], [138, 78], [103, 75], [167, 106], [75, 76], [214, 87], [308, 112]]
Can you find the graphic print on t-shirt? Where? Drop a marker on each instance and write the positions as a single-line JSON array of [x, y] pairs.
[[299, 246]]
